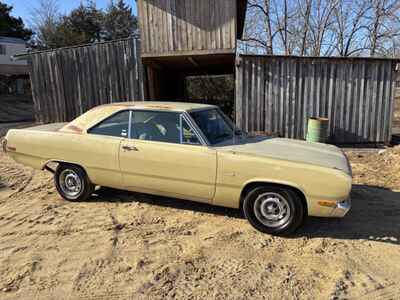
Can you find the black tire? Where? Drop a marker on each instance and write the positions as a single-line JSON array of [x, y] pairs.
[[288, 203], [86, 187]]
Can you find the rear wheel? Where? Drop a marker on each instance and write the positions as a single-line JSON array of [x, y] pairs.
[[273, 210], [72, 183]]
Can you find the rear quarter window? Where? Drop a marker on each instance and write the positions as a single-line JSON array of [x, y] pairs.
[[115, 125]]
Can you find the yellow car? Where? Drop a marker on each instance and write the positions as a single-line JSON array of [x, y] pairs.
[[189, 151]]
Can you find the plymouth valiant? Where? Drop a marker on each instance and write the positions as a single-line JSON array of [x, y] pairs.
[[189, 151]]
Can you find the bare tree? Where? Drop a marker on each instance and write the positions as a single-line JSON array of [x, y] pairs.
[[305, 13], [259, 31], [282, 22], [350, 27], [275, 26], [268, 26], [382, 25], [45, 20], [323, 27]]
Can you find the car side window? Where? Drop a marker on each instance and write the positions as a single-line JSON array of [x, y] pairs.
[[156, 126], [188, 135], [116, 125]]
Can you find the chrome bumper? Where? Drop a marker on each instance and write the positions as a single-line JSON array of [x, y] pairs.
[[341, 208]]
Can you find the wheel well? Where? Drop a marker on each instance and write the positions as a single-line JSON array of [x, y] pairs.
[[252, 185], [47, 166]]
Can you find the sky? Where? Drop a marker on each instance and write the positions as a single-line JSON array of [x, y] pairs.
[[23, 8]]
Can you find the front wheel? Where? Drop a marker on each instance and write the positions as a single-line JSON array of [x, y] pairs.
[[72, 183], [273, 210]]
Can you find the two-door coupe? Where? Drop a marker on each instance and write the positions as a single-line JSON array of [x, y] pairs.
[[189, 151]]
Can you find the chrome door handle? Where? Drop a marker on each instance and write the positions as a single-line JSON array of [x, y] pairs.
[[129, 148]]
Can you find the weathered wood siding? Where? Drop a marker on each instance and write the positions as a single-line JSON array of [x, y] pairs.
[[176, 27], [279, 94], [67, 82]]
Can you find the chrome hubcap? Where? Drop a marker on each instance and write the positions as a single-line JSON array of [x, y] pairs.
[[271, 209], [70, 183]]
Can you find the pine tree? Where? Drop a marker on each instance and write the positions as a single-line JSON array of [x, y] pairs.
[[83, 25], [10, 26], [119, 22]]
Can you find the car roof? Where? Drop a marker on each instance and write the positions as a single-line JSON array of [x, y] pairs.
[[101, 112], [159, 105]]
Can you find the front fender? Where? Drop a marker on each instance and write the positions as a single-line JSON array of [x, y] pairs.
[[317, 183], [273, 181]]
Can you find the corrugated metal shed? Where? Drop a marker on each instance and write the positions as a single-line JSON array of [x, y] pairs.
[[279, 93]]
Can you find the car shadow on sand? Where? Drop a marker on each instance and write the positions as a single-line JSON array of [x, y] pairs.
[[120, 196], [375, 213]]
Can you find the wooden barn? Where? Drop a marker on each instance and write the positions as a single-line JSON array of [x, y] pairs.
[[280, 93], [183, 38]]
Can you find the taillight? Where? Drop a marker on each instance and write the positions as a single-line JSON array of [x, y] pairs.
[[4, 143]]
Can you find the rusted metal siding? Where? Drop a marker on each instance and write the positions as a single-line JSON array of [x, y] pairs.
[[279, 94], [67, 82], [188, 27]]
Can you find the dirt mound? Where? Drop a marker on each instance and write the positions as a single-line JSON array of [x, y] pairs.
[[378, 168]]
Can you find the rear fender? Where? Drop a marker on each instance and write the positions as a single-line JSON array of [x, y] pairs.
[[46, 166]]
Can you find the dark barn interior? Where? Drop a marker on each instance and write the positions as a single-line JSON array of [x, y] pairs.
[[188, 39]]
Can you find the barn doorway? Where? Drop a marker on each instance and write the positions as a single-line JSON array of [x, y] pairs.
[[207, 79], [212, 89]]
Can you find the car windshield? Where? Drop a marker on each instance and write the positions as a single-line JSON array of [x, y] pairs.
[[216, 127]]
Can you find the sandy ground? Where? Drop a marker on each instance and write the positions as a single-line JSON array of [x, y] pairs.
[[122, 245], [396, 112]]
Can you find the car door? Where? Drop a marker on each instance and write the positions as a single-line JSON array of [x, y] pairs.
[[164, 156], [99, 149]]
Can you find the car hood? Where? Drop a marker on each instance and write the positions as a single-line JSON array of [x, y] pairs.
[[292, 150]]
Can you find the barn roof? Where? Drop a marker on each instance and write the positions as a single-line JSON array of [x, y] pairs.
[[329, 58]]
